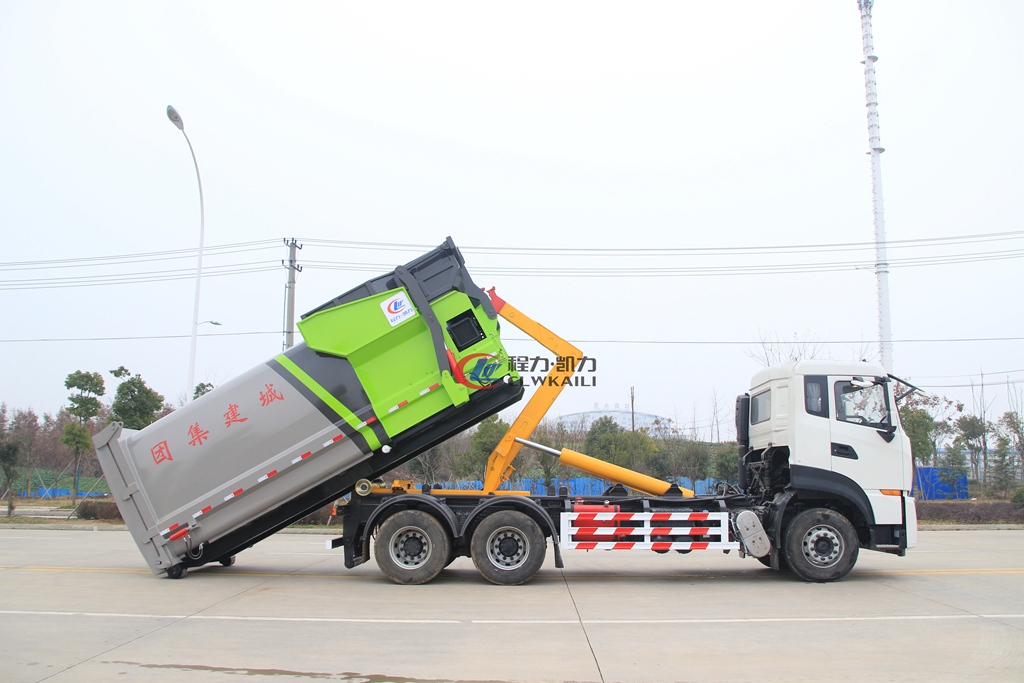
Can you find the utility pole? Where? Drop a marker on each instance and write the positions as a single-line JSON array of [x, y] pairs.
[[875, 150], [289, 292]]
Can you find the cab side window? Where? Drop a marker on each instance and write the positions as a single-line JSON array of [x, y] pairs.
[[816, 395], [862, 405], [761, 407]]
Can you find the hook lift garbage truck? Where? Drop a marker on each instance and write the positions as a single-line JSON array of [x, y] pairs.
[[409, 359]]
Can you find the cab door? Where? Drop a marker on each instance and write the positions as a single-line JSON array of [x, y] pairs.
[[864, 445]]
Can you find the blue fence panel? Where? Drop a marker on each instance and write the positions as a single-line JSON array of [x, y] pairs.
[[578, 486], [57, 493], [929, 485]]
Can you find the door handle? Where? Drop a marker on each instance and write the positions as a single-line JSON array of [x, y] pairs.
[[841, 450]]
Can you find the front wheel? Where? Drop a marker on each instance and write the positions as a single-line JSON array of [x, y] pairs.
[[411, 547], [508, 548], [821, 545]]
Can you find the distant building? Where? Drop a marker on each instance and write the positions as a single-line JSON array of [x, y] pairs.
[[623, 418]]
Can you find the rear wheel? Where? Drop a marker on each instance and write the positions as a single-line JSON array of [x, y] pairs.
[[227, 561], [821, 545], [508, 548], [411, 547], [175, 571]]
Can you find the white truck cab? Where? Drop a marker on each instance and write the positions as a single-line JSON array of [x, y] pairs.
[[827, 434]]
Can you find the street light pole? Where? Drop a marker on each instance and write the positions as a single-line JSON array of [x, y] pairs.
[[176, 120]]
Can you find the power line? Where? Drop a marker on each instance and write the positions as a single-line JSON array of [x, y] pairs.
[[705, 342], [675, 251], [182, 253], [134, 338], [256, 245], [696, 271]]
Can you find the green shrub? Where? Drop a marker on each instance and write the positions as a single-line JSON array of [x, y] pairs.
[[317, 517], [105, 510], [1018, 497], [969, 512]]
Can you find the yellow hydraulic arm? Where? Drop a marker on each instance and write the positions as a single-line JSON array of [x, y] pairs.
[[499, 465]]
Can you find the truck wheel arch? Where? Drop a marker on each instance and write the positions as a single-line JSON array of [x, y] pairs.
[[521, 503], [810, 482], [411, 501]]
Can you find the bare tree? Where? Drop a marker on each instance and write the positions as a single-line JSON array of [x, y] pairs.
[[771, 349]]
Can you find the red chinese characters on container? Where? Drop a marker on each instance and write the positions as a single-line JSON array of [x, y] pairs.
[[233, 416], [270, 395], [160, 452], [197, 435]]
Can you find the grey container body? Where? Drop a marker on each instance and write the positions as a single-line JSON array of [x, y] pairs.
[[218, 462]]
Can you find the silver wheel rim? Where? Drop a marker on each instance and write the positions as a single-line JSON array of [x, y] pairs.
[[409, 547], [822, 545], [507, 548]]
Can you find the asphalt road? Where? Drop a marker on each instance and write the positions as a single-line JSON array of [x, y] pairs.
[[82, 606]]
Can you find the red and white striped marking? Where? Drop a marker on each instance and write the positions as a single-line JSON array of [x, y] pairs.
[[296, 460], [396, 407], [634, 531], [233, 494], [336, 439], [429, 389], [660, 546], [169, 529]]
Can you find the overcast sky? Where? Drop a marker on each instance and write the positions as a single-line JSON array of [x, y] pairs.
[[668, 126]]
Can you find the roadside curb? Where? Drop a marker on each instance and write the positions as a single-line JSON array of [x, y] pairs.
[[970, 527]]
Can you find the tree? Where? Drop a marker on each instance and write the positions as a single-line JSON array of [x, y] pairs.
[[201, 389], [771, 349], [597, 443], [481, 442], [724, 463], [435, 465], [1011, 424], [8, 460], [972, 430], [84, 405], [135, 404], [953, 465], [554, 435], [919, 425], [9, 468], [24, 430], [1002, 478]]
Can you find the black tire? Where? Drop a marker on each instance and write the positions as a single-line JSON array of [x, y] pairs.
[[227, 561], [508, 548], [821, 545], [411, 547], [175, 571]]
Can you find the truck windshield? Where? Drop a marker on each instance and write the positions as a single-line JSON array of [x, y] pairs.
[[867, 406]]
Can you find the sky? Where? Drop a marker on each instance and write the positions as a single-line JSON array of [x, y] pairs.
[[669, 185]]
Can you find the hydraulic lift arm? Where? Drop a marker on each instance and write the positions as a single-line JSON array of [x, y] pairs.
[[499, 465]]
